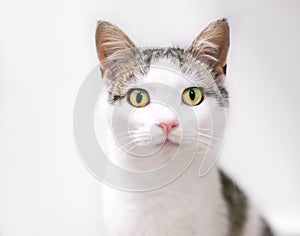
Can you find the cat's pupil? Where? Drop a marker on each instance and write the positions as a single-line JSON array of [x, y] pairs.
[[192, 95], [139, 97]]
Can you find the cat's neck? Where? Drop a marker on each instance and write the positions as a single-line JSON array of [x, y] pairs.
[[186, 200]]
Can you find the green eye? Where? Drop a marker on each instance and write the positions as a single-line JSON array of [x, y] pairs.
[[192, 96], [138, 97]]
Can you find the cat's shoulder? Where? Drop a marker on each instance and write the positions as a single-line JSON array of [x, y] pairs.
[[239, 209]]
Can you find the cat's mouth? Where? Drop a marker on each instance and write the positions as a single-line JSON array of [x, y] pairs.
[[170, 142]]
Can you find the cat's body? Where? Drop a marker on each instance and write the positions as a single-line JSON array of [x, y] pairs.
[[190, 205]]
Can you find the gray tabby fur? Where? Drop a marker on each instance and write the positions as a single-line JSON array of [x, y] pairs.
[[134, 64]]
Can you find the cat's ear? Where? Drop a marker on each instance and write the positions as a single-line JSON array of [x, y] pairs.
[[211, 46], [111, 45]]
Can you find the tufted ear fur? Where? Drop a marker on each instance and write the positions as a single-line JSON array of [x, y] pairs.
[[211, 46], [111, 45]]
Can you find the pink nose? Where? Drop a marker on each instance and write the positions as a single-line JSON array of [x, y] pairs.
[[168, 126]]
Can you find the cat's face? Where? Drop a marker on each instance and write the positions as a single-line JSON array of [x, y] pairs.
[[163, 99], [164, 108]]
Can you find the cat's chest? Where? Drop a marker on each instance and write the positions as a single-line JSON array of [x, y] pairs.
[[180, 208]]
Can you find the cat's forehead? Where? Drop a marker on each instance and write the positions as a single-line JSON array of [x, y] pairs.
[[167, 76], [172, 68]]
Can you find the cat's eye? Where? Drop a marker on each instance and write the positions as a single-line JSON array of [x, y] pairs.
[[138, 97], [192, 96]]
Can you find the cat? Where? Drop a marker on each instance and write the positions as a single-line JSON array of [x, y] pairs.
[[137, 80]]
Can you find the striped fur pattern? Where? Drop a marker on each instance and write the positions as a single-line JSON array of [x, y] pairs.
[[138, 62]]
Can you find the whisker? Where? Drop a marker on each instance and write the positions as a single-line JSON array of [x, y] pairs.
[[207, 136], [195, 138], [130, 149], [140, 136], [187, 134], [135, 140], [142, 139], [130, 132], [191, 146], [126, 145], [198, 128], [199, 142]]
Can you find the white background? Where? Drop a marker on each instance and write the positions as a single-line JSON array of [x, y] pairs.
[[47, 49]]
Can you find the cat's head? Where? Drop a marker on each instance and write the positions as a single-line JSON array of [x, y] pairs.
[[165, 96]]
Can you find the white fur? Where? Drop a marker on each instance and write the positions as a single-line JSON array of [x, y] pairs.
[[190, 205]]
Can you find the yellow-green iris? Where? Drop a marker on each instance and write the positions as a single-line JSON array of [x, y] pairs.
[[192, 96], [138, 97]]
